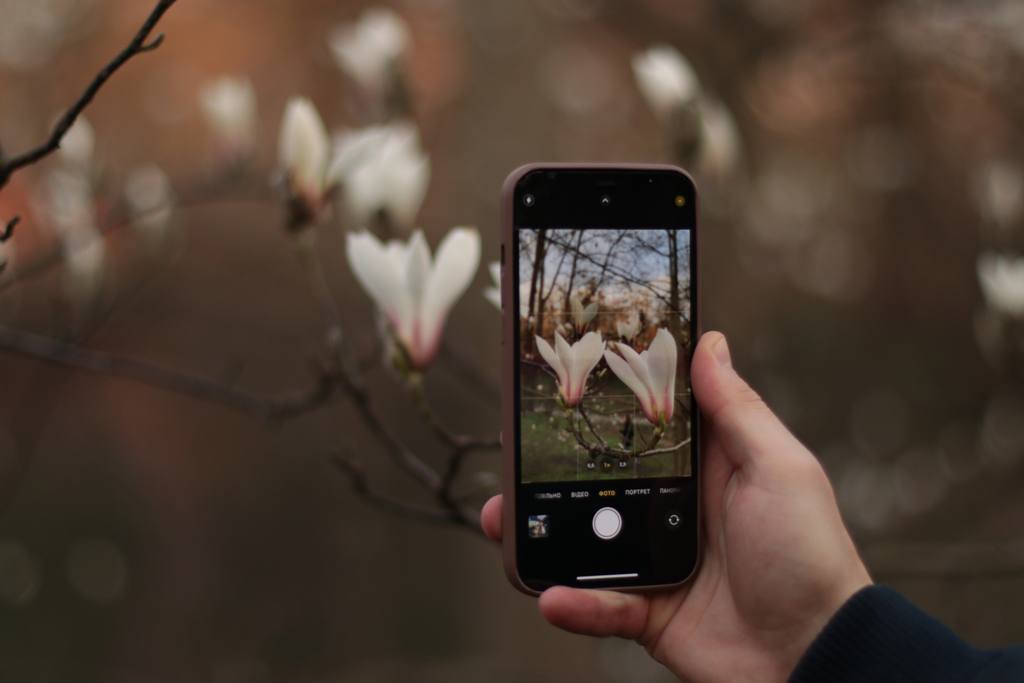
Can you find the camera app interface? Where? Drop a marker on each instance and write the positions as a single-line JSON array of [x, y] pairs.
[[604, 340]]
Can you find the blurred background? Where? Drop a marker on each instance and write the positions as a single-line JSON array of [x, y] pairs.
[[862, 194]]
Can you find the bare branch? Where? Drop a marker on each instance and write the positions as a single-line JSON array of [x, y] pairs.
[[136, 46], [361, 485], [9, 228], [66, 354]]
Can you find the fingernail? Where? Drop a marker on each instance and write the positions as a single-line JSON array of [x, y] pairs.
[[721, 352]]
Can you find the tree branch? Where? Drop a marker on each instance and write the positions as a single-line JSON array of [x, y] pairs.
[[137, 45], [66, 354]]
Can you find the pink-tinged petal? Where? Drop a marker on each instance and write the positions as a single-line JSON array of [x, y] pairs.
[[627, 376], [416, 269], [454, 266], [375, 268], [661, 364], [638, 363], [587, 353], [565, 355], [549, 355]]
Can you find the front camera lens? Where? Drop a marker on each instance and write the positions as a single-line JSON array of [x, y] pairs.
[[529, 200]]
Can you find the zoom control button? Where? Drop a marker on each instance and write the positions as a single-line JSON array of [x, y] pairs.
[[607, 523]]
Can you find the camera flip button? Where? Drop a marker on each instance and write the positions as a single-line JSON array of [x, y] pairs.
[[607, 523]]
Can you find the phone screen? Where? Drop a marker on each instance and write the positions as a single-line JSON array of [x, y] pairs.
[[605, 294]]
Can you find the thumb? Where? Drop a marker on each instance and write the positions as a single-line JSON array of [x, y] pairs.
[[739, 420]]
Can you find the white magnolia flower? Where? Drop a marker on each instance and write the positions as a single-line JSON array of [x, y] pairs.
[[572, 364], [999, 192], [581, 315], [229, 107], [78, 144], [413, 290], [493, 294], [381, 169], [1002, 282], [368, 49], [65, 202], [666, 79], [629, 328], [719, 139], [85, 259], [650, 375], [304, 152], [151, 200]]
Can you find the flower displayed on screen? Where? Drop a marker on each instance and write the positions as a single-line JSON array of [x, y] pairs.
[[572, 364], [651, 374], [582, 315]]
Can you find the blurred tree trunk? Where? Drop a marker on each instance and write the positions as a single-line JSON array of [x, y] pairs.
[[674, 300], [566, 306], [533, 319]]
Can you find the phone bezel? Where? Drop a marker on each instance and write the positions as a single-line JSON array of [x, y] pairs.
[[509, 382]]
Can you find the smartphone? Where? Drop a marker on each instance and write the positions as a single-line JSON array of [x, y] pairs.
[[600, 429]]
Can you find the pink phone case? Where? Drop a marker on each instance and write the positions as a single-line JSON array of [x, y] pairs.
[[508, 321]]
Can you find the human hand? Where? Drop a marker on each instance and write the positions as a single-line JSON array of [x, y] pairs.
[[777, 560]]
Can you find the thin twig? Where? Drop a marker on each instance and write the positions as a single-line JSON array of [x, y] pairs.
[[361, 485], [66, 354], [137, 46], [601, 447]]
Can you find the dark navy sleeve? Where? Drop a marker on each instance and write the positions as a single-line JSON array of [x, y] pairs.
[[878, 636]]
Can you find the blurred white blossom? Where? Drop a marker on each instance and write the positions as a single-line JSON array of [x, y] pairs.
[[666, 79], [1002, 282], [413, 290], [229, 107], [304, 152], [719, 139], [381, 169], [628, 328], [78, 144], [581, 315], [369, 49], [65, 202], [151, 200], [493, 294], [999, 192], [32, 32], [84, 262]]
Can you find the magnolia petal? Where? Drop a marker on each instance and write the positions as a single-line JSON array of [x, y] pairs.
[[410, 177], [586, 353], [589, 313], [638, 363], [577, 309], [665, 79], [417, 267], [454, 267], [661, 364], [229, 106], [377, 269], [625, 373], [552, 359], [493, 294], [304, 147]]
